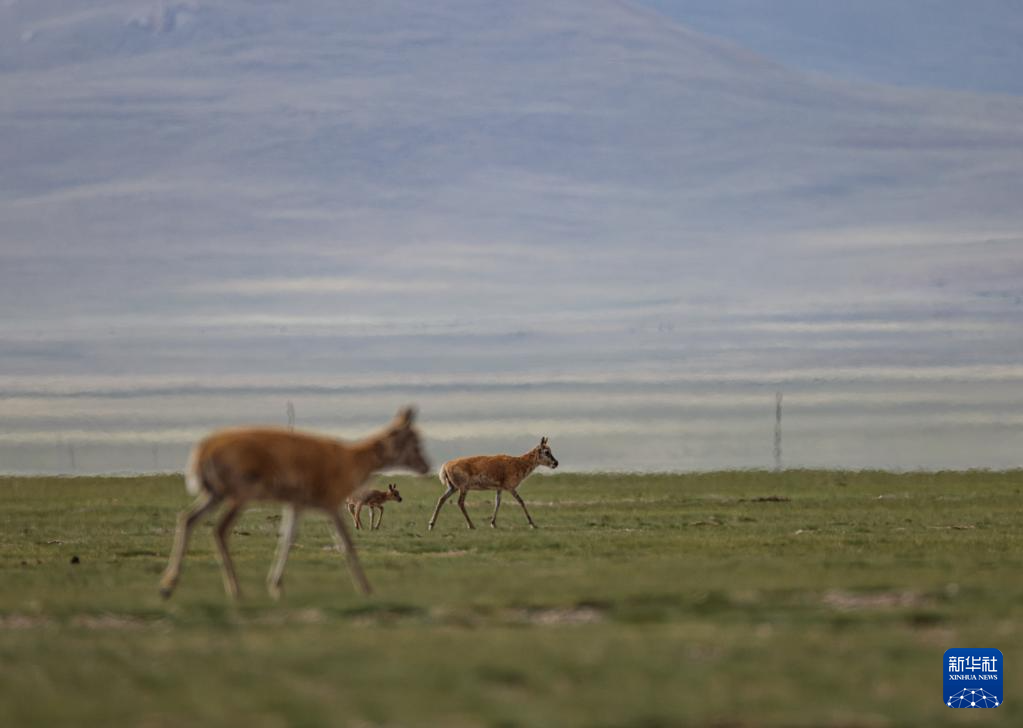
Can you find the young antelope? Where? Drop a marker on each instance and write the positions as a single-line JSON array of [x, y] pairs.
[[491, 472], [374, 500]]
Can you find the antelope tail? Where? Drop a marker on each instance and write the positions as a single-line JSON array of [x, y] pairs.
[[193, 478], [200, 474]]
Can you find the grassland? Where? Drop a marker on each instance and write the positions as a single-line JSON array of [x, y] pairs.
[[728, 599]]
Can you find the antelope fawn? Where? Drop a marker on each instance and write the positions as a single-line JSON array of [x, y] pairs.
[[374, 500], [234, 467], [491, 472]]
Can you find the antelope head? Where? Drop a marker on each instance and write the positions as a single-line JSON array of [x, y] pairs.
[[401, 444], [544, 455], [392, 492]]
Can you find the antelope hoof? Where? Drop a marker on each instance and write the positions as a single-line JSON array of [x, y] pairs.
[[167, 587], [275, 591], [471, 527], [429, 526], [493, 525]]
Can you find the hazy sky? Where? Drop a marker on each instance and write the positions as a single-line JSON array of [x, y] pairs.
[[589, 220], [971, 46]]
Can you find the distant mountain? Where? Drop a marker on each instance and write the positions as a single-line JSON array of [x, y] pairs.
[[208, 193], [184, 122]]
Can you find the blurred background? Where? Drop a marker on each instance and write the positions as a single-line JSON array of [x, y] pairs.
[[623, 225]]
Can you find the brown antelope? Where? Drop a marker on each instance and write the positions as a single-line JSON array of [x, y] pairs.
[[491, 472], [234, 467], [374, 500]]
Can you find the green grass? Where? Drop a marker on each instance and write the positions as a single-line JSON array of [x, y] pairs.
[[641, 601]]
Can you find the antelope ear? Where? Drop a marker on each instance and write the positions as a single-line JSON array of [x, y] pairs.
[[543, 441], [405, 417]]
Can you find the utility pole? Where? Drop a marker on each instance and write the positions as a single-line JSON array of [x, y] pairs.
[[290, 409], [777, 430]]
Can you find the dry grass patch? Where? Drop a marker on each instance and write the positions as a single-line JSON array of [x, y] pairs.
[[851, 601]]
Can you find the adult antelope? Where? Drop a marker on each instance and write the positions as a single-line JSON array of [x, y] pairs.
[[491, 472], [234, 467]]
